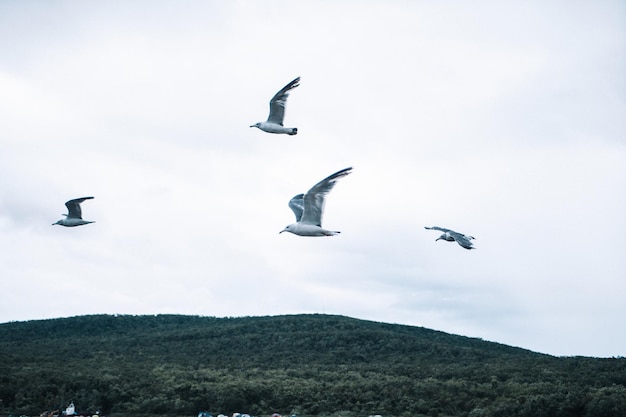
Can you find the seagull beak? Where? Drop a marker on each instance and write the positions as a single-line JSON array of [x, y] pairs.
[[281, 231]]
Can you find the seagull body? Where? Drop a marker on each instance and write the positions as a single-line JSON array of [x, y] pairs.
[[74, 215], [274, 123], [309, 208], [452, 236]]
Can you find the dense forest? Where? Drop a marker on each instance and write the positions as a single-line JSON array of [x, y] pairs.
[[322, 365]]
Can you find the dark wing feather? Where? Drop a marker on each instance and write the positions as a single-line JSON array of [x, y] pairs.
[[73, 207], [441, 229], [278, 102], [296, 204], [315, 198], [461, 239]]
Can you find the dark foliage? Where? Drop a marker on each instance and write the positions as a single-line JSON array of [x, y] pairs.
[[305, 364]]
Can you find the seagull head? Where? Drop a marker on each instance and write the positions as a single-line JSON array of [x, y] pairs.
[[256, 125], [445, 236], [287, 229]]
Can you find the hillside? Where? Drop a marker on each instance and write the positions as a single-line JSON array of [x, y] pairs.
[[305, 364]]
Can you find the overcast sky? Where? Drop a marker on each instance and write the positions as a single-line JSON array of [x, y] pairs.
[[502, 120]]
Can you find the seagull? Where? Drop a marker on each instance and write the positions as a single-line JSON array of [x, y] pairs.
[[74, 215], [309, 208], [274, 123], [451, 236]]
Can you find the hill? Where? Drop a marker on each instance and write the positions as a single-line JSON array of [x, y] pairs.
[[306, 364]]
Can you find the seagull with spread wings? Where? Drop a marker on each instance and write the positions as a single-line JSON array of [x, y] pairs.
[[74, 215], [274, 123], [452, 236], [309, 207]]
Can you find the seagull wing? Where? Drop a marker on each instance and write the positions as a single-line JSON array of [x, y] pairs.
[[441, 229], [73, 207], [461, 239], [278, 102], [296, 205], [315, 198]]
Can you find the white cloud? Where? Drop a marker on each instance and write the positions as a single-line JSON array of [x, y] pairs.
[[509, 129]]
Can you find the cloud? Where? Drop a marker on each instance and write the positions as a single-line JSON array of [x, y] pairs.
[[462, 117]]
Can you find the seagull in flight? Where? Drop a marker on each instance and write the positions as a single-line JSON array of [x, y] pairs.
[[274, 123], [451, 236], [309, 208], [74, 215]]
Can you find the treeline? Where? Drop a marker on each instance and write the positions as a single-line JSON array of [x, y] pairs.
[[171, 365]]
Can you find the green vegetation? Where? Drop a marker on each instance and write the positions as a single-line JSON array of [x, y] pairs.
[[170, 365]]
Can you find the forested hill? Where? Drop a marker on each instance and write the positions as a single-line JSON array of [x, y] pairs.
[[306, 364]]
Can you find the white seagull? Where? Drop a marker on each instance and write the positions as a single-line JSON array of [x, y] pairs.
[[451, 236], [74, 215], [274, 123], [309, 208]]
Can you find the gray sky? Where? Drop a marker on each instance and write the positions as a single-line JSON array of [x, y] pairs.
[[503, 120]]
